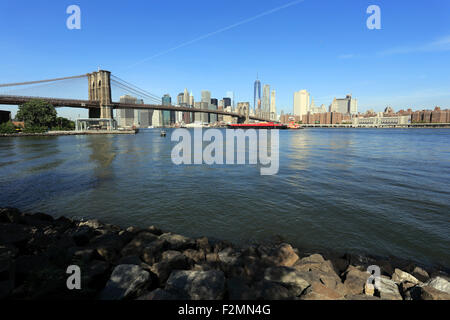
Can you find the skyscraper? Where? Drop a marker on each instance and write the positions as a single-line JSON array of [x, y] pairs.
[[273, 107], [301, 103], [166, 101], [266, 101], [230, 94], [206, 103], [345, 105], [256, 93]]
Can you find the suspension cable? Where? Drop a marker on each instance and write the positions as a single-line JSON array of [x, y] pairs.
[[40, 81]]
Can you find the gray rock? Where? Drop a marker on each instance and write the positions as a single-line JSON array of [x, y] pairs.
[[440, 284], [177, 242], [197, 285], [431, 293], [171, 260], [420, 274], [10, 215], [130, 260], [197, 256], [355, 281], [400, 276], [138, 243], [317, 291], [153, 251], [288, 277], [388, 289], [126, 281], [93, 223]]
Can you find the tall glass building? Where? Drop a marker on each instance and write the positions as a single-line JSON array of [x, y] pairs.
[[166, 101], [256, 93]]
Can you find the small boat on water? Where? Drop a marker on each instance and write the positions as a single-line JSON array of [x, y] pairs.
[[163, 133]]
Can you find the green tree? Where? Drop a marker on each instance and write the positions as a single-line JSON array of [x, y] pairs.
[[37, 114], [64, 124], [7, 127]]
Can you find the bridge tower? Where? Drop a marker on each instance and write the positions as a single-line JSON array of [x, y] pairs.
[[100, 90], [243, 109]]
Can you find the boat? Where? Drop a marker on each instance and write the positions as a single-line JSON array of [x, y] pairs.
[[163, 133], [260, 125]]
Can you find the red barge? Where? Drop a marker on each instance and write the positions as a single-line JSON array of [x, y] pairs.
[[260, 125]]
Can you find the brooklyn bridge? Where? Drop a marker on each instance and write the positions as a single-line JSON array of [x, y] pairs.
[[100, 102]]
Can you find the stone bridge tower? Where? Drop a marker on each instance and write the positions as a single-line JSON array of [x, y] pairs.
[[243, 108], [100, 90]]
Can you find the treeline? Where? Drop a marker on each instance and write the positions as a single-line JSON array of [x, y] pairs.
[[38, 116]]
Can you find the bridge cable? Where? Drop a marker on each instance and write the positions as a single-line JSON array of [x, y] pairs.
[[39, 81]]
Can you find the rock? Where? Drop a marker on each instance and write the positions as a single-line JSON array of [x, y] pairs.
[[83, 235], [138, 243], [93, 223], [431, 293], [400, 276], [314, 262], [318, 291], [14, 234], [268, 290], [197, 285], [108, 246], [197, 256], [288, 277], [440, 284], [203, 244], [77, 254], [10, 215], [158, 294], [171, 260], [177, 242], [239, 290], [340, 265], [126, 281], [355, 280], [153, 251], [409, 291], [95, 275], [420, 274], [156, 231], [388, 290], [281, 255]]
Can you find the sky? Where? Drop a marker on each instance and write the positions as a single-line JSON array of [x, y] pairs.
[[323, 46]]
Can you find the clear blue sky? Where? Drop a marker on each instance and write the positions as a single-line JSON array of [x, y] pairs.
[[323, 46]]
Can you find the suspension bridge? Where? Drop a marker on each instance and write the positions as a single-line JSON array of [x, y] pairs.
[[100, 102]]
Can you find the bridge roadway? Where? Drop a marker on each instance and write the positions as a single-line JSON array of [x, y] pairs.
[[87, 104]]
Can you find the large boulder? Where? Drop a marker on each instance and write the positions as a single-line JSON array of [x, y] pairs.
[[420, 274], [177, 242], [431, 293], [288, 277], [10, 215], [269, 290], [126, 281], [355, 281], [280, 255], [317, 291], [14, 234], [153, 251], [171, 260], [136, 246], [400, 276], [439, 283], [197, 285], [388, 289]]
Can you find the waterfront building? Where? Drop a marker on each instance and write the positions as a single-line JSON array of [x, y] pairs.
[[345, 105], [301, 103], [126, 116]]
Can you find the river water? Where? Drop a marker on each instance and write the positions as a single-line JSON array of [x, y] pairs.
[[375, 191]]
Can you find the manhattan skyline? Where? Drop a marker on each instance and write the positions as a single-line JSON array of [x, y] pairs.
[[401, 65]]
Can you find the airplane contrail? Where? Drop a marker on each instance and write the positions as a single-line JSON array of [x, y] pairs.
[[234, 25]]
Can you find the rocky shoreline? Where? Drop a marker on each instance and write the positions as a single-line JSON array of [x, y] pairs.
[[151, 264]]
